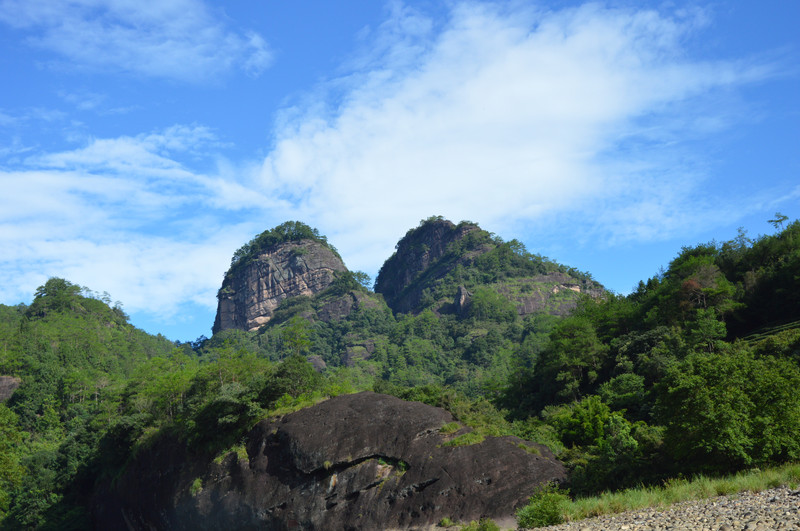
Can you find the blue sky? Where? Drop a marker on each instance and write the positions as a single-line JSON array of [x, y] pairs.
[[140, 145]]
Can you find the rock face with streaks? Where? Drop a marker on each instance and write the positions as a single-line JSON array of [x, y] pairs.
[[250, 295], [420, 255], [8, 384], [362, 461]]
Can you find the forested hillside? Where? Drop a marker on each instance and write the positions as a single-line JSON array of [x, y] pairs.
[[696, 370], [75, 356]]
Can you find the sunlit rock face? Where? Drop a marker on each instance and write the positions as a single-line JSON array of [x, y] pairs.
[[418, 254], [251, 294]]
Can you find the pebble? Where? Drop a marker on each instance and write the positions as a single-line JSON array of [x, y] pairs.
[[770, 510]]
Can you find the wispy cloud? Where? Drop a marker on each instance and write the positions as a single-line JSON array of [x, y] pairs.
[[173, 39], [121, 215], [506, 118], [510, 117]]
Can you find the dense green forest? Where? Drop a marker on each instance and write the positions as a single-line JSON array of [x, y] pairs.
[[697, 370]]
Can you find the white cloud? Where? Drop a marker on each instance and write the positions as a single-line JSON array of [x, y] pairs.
[[152, 274], [149, 154], [174, 39], [502, 117], [517, 118], [120, 215]]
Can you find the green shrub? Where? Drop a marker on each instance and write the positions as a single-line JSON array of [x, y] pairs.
[[446, 522], [450, 427], [546, 507], [487, 304], [483, 525], [196, 487], [466, 439]]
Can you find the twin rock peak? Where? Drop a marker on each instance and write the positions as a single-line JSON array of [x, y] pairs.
[[436, 265]]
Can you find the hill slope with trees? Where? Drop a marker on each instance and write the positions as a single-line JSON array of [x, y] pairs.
[[697, 370]]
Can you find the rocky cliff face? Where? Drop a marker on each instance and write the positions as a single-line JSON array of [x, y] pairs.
[[250, 294], [438, 264], [555, 293], [417, 255], [364, 461]]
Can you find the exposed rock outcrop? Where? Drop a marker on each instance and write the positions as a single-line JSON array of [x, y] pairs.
[[364, 461], [340, 307], [250, 295], [8, 384], [555, 293], [462, 300]]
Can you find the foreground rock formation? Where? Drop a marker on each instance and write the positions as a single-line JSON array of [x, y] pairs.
[[363, 461], [250, 295]]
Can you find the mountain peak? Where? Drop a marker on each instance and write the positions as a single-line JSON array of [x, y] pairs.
[[288, 261], [437, 264], [417, 251]]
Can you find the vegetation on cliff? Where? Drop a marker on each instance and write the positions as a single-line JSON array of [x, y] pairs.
[[435, 258], [697, 370], [289, 231]]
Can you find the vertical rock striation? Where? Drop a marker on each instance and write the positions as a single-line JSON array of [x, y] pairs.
[[251, 293], [438, 264], [8, 384]]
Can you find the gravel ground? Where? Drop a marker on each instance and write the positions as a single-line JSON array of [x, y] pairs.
[[774, 509]]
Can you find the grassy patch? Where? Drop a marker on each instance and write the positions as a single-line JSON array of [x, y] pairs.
[[240, 450], [673, 491], [530, 449], [400, 466], [466, 439], [196, 487], [450, 427], [288, 404], [484, 524]]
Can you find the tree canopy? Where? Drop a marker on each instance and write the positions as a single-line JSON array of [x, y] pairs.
[[698, 370]]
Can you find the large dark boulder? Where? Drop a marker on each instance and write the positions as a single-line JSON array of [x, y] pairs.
[[363, 461]]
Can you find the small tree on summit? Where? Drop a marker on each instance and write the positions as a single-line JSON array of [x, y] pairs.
[[56, 295], [778, 221], [285, 232]]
